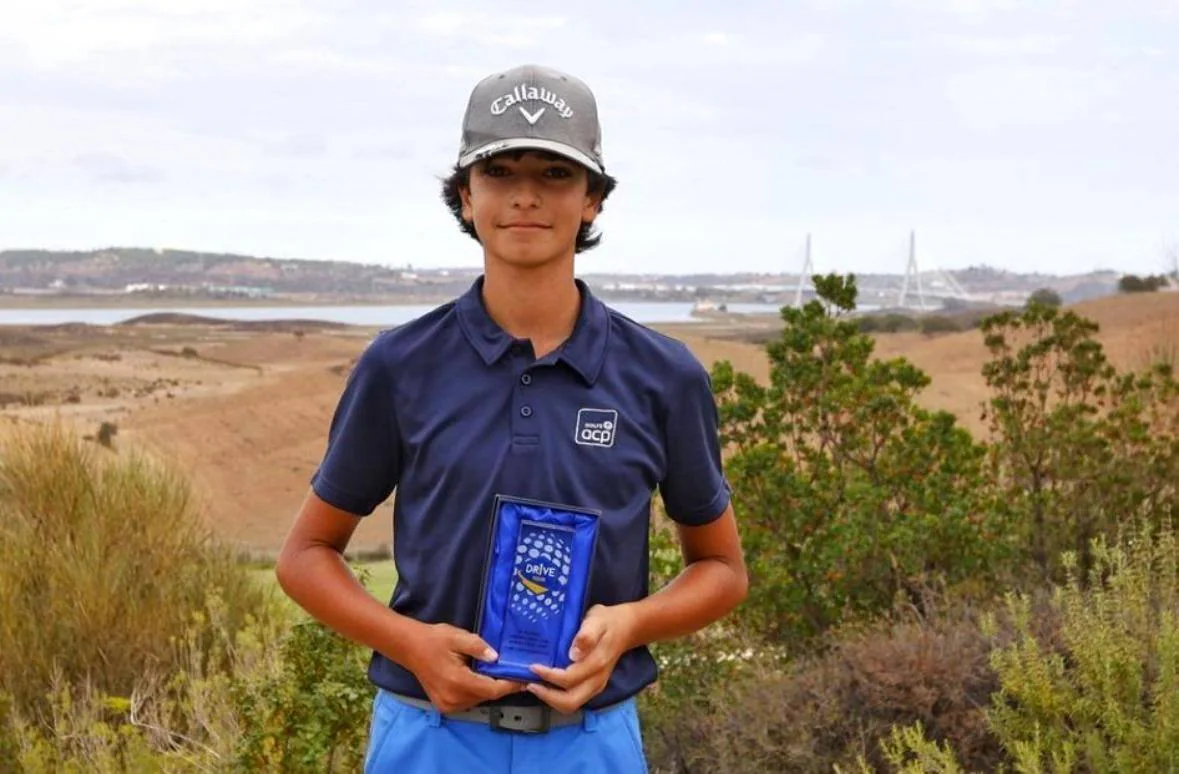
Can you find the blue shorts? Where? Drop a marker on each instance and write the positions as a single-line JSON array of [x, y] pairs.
[[405, 738]]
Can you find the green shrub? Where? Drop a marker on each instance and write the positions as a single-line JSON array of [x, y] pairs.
[[312, 713], [92, 734], [934, 324], [1045, 297], [908, 751], [835, 708], [1101, 694], [106, 434], [1075, 444], [886, 323], [103, 560], [131, 642], [849, 494], [694, 671], [1106, 697], [1132, 283], [278, 696]]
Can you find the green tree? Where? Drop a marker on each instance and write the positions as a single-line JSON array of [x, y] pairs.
[[849, 493], [1046, 297], [1131, 283], [1077, 446]]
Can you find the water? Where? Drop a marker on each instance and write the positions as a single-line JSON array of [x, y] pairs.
[[374, 316]]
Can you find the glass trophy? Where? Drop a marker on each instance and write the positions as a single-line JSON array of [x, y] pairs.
[[535, 584]]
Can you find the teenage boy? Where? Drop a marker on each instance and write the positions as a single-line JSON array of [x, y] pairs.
[[526, 385]]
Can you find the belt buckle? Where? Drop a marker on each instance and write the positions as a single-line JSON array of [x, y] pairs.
[[496, 713]]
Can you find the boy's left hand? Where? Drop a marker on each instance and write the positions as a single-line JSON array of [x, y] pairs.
[[604, 636]]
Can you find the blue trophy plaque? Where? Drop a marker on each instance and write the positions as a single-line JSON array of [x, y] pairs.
[[535, 584]]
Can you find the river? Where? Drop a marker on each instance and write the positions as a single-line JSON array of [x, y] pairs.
[[365, 315]]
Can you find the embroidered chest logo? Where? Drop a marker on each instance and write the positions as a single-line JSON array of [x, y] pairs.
[[596, 427]]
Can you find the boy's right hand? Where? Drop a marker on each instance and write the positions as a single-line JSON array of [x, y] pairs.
[[438, 656]]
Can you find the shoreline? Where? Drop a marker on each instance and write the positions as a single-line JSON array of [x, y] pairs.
[[46, 312], [60, 301], [52, 301]]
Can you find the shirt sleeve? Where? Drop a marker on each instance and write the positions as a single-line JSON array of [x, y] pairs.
[[694, 488], [362, 463]]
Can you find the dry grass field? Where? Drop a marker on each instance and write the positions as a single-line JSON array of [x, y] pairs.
[[244, 409]]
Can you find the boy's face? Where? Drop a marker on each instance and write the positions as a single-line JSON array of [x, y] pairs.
[[527, 208]]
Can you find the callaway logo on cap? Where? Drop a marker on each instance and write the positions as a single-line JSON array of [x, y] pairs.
[[532, 107]]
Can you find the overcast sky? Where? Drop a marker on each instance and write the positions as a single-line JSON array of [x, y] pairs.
[[1026, 135]]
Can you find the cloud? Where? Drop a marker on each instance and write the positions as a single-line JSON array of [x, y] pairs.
[[1021, 96], [322, 59], [452, 22], [309, 126], [296, 145], [61, 32], [110, 168], [394, 152], [1004, 46], [970, 11], [501, 29]]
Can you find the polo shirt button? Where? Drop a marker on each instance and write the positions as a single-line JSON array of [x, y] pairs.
[[526, 379], [526, 411]]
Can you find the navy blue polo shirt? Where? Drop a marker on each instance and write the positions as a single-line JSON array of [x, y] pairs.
[[451, 410]]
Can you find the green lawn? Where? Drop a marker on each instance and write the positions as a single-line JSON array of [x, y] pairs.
[[383, 576], [379, 581]]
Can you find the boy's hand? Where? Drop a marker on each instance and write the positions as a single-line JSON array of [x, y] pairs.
[[438, 660], [604, 636]]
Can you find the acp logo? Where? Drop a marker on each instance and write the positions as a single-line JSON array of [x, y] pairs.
[[596, 427]]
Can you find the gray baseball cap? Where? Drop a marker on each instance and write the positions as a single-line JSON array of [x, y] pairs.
[[535, 108]]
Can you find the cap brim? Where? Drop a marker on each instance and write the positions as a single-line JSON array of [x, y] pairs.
[[529, 143]]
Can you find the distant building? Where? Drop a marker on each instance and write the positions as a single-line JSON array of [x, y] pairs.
[[144, 287], [243, 291]]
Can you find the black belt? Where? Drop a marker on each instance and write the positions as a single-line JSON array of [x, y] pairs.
[[521, 719]]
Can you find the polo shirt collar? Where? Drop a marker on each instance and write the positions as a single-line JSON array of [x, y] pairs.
[[584, 351]]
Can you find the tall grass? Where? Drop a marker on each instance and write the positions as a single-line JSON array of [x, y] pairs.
[[1162, 348], [1099, 694], [103, 563]]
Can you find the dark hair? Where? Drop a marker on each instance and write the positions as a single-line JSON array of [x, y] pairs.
[[587, 238]]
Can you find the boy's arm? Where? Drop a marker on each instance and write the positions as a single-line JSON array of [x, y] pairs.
[[312, 571], [713, 582]]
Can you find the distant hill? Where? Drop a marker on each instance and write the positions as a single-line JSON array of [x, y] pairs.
[[183, 272], [116, 269], [980, 280], [1072, 288]]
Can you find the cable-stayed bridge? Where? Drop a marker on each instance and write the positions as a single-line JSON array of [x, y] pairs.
[[918, 290], [1172, 274]]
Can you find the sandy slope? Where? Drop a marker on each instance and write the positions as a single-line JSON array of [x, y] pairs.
[[245, 413], [1132, 330]]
